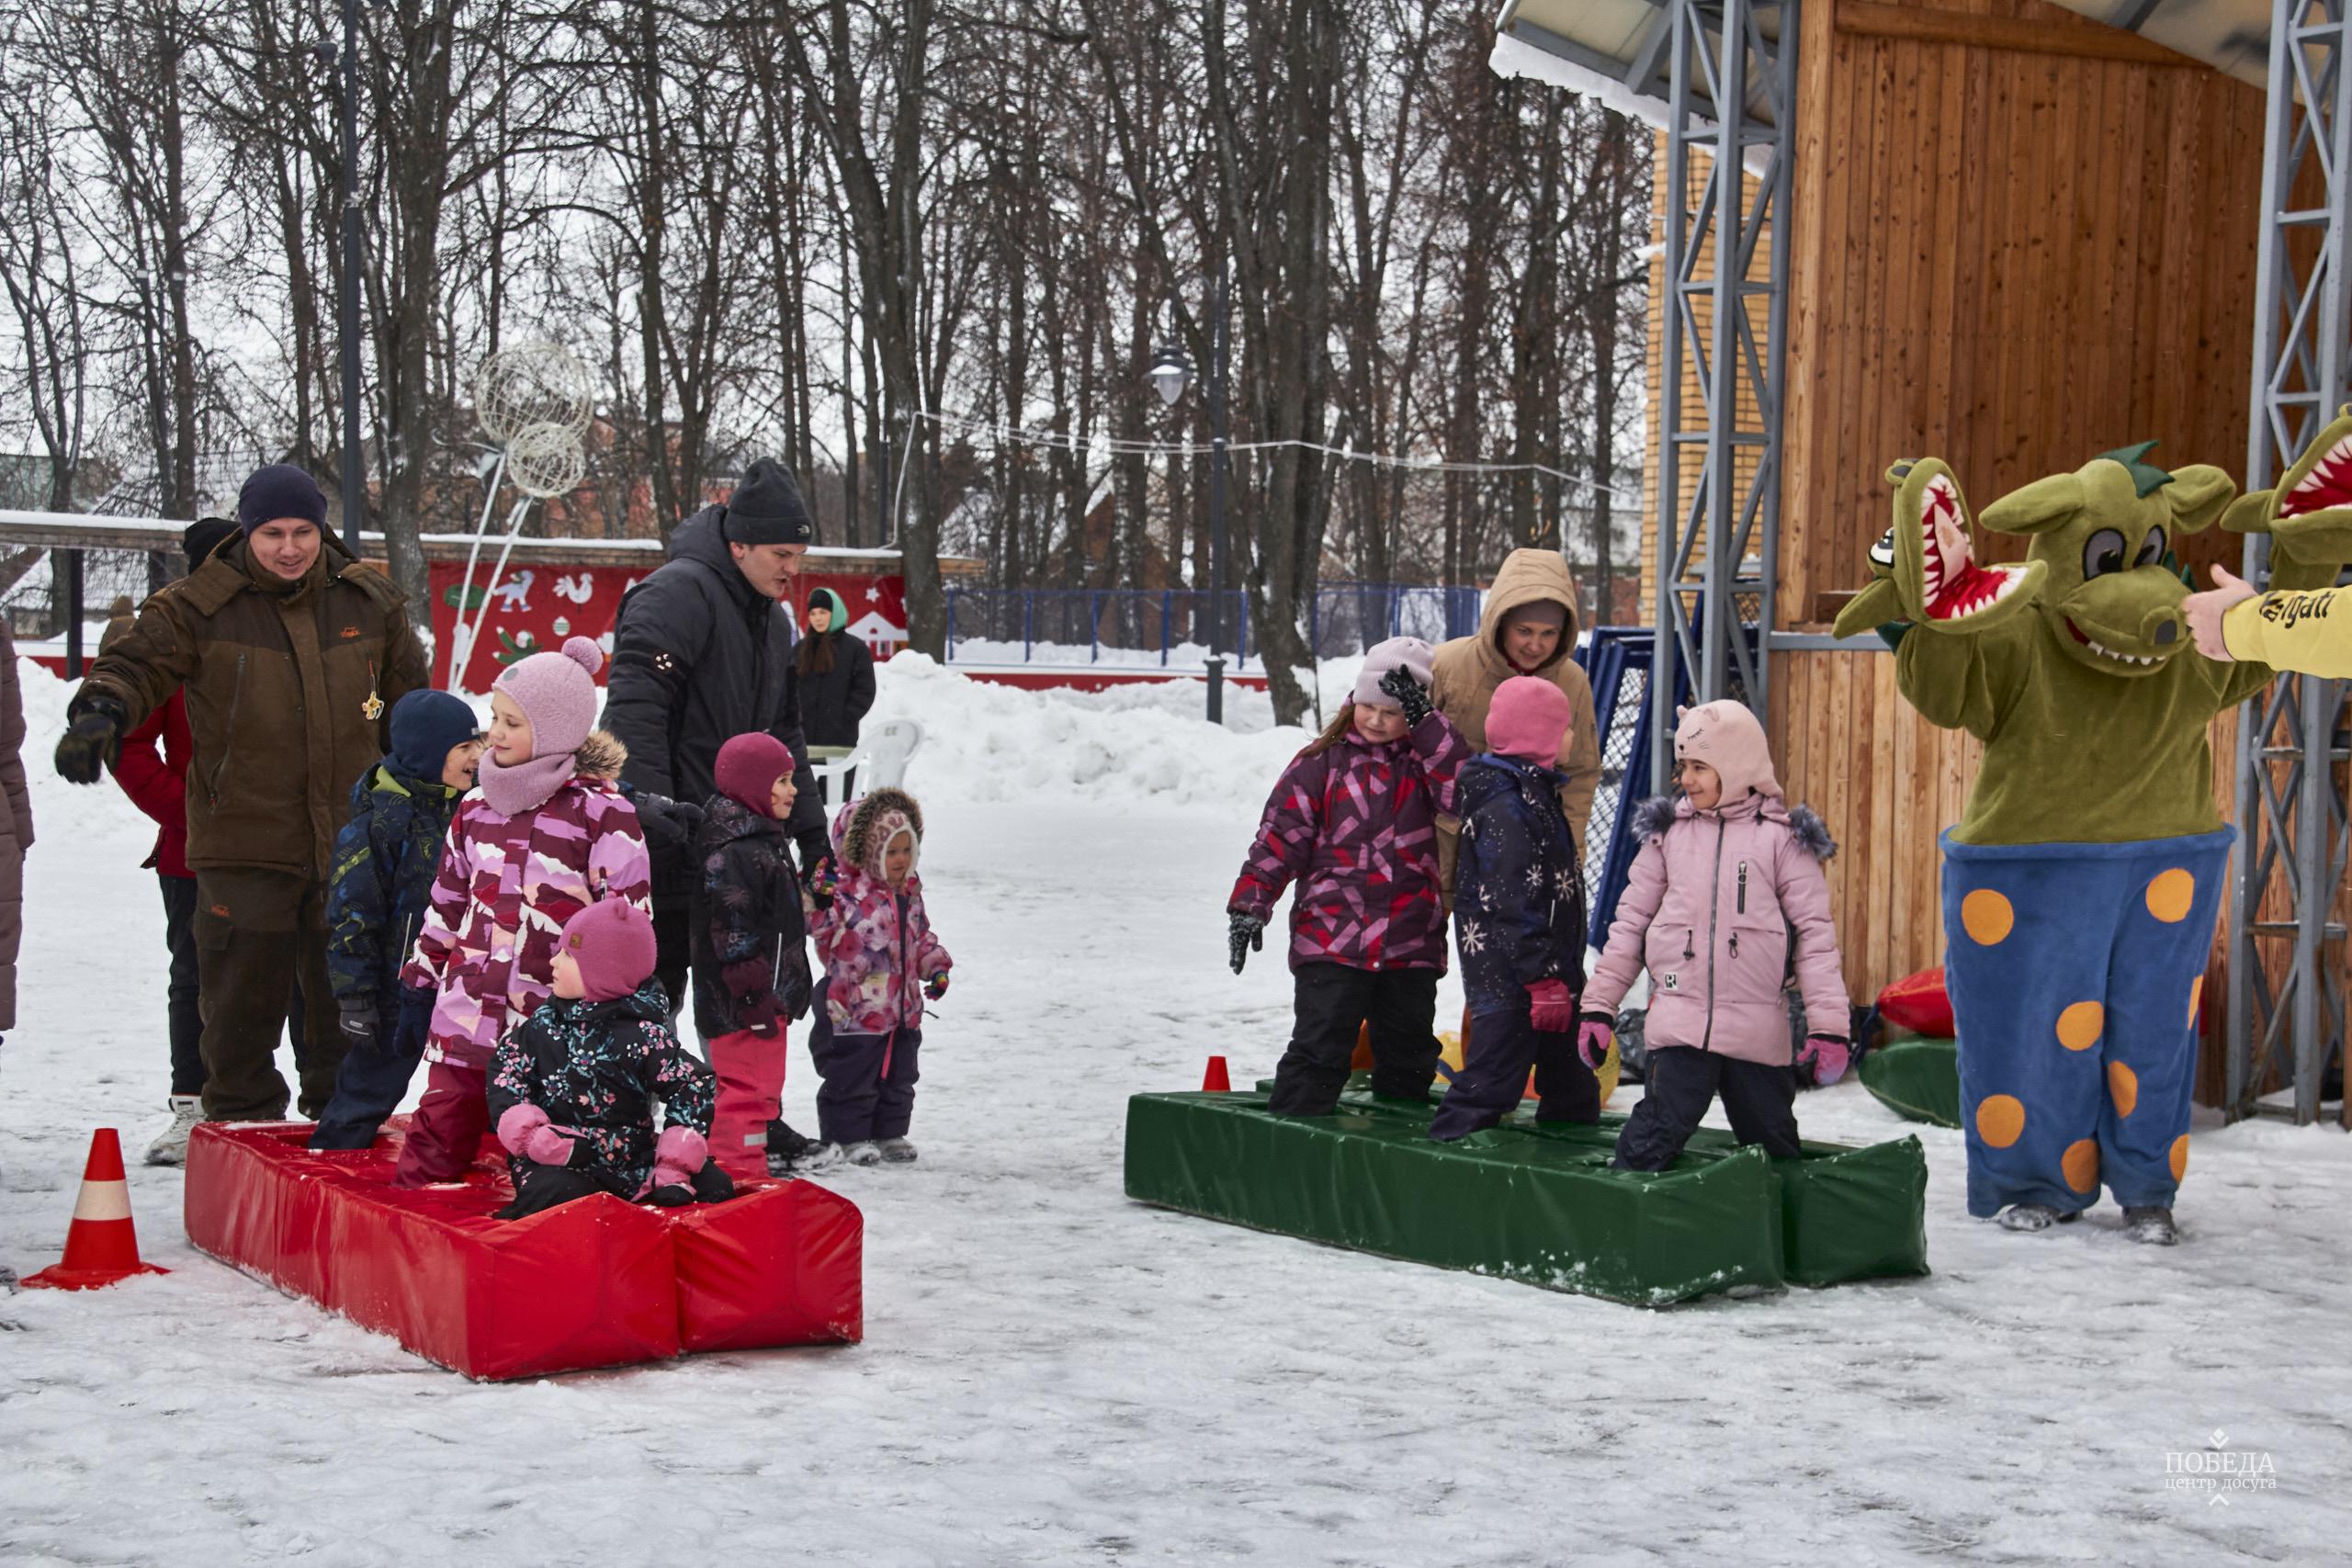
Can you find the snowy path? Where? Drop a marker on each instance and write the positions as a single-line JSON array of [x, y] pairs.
[[1055, 1375]]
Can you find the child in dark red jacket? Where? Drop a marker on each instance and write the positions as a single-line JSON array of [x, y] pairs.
[[1353, 822]]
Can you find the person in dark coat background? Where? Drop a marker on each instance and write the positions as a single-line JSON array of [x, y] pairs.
[[836, 674], [702, 652]]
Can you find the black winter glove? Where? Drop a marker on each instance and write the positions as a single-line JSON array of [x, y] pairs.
[[93, 739], [821, 878], [712, 1184], [363, 1026], [1410, 695], [1244, 934]]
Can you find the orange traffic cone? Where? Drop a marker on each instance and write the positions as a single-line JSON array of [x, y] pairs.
[[1216, 1080], [100, 1246]]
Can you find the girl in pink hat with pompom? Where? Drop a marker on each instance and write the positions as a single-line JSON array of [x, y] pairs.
[[548, 834]]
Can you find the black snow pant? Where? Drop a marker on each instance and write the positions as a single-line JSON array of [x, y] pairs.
[[1333, 1001], [538, 1188], [368, 1088], [1759, 1100], [182, 996], [1493, 1079], [868, 1090]]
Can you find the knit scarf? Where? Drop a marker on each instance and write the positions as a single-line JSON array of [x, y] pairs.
[[525, 786]]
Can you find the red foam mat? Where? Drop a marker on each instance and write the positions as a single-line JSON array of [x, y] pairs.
[[597, 1283]]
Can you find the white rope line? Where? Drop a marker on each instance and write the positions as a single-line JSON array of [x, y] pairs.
[[1063, 441]]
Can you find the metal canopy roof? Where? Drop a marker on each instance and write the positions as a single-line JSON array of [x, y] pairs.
[[1615, 50]]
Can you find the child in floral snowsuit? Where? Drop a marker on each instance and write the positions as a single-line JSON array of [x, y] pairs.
[[572, 1087], [881, 961]]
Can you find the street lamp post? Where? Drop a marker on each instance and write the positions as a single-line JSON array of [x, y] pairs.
[[355, 475], [1170, 374]]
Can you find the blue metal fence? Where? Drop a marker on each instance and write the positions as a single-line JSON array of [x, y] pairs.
[[1169, 626], [1618, 661]]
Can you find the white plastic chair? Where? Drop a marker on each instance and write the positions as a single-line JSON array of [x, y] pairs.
[[888, 747], [879, 759]]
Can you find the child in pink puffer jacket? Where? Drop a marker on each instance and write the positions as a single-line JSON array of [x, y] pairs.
[[1727, 908], [550, 834]]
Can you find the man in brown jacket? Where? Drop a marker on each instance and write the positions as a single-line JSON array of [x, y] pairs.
[[1529, 628], [292, 654]]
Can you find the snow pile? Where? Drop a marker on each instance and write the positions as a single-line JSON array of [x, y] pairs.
[[986, 742]]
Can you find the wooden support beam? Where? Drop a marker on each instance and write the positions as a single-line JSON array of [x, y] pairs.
[[2091, 41]]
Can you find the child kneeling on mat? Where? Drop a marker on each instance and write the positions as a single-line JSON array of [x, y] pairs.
[[881, 961], [1354, 821], [1727, 900], [750, 946], [548, 834], [1519, 915], [572, 1087]]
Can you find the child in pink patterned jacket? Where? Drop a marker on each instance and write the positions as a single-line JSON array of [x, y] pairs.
[[548, 834], [881, 961]]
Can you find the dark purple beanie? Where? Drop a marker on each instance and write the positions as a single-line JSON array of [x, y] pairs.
[[278, 492]]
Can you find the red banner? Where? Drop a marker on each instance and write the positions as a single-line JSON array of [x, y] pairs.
[[536, 605]]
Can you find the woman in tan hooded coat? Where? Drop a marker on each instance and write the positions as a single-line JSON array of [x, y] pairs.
[[1529, 628]]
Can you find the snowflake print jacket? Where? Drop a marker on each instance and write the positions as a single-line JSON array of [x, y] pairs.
[[1728, 909], [876, 947], [1519, 890], [596, 1069], [505, 888], [1355, 826]]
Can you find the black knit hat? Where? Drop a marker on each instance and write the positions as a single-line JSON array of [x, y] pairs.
[[278, 492], [766, 508], [201, 538]]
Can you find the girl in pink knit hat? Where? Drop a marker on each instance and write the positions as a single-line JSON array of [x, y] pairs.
[[550, 834], [1727, 907]]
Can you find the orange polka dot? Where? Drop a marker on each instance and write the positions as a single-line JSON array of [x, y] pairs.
[[2180, 1156], [1988, 917], [2123, 1088], [2170, 894], [2079, 1026], [2196, 999], [2080, 1165], [2000, 1118]]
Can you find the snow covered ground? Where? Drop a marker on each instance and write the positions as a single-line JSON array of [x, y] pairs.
[[1053, 1374]]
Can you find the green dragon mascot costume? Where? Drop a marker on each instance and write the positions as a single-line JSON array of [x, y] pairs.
[[2081, 885]]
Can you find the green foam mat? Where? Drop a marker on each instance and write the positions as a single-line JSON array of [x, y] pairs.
[[1536, 1204], [1916, 1079]]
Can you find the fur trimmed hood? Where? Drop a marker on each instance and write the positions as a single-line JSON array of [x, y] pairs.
[[854, 825], [600, 756], [1654, 816]]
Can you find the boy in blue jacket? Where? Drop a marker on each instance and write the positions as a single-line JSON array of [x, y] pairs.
[[385, 859], [1520, 921]]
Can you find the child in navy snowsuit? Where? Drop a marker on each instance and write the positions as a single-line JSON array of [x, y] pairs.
[[572, 1087], [1519, 920], [384, 863], [881, 963], [1353, 822]]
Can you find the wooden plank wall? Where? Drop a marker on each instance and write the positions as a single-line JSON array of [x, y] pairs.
[[2009, 259], [2012, 258]]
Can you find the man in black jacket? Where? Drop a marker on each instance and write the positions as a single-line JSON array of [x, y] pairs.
[[703, 652]]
